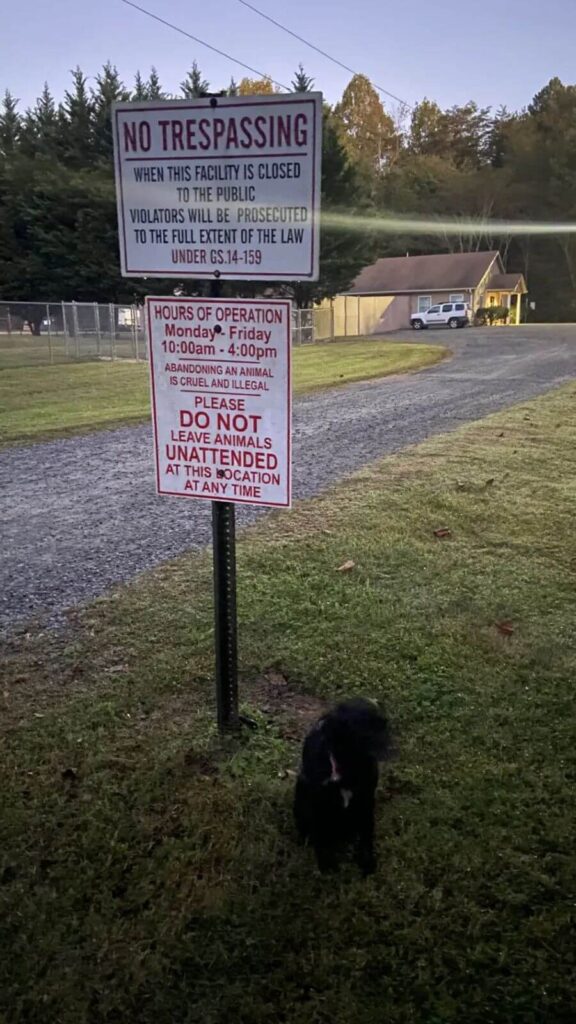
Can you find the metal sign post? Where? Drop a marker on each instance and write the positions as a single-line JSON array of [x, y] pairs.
[[225, 612], [225, 619]]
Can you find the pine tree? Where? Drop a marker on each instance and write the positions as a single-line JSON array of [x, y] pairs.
[[41, 127], [149, 90], [194, 85], [428, 130], [301, 81], [468, 131], [77, 127], [153, 86], [45, 112], [497, 141], [140, 91], [460, 134], [10, 125], [109, 89]]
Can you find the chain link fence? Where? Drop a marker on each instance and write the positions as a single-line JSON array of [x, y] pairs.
[[41, 333], [45, 333]]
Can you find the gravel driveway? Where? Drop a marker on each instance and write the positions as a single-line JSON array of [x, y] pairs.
[[80, 514]]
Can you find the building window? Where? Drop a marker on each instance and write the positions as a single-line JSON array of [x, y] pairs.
[[505, 299], [457, 297], [424, 303]]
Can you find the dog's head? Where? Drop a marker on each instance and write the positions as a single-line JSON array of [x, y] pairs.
[[355, 728]]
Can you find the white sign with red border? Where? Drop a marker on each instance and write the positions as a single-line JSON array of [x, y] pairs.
[[221, 398], [224, 187]]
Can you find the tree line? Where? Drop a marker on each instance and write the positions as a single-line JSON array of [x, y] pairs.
[[462, 168]]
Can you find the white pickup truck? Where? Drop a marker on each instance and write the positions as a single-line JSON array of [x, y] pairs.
[[451, 314]]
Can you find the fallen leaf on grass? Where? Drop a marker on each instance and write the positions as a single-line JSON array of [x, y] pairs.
[[443, 531], [346, 566], [275, 677], [501, 434], [489, 482], [505, 628]]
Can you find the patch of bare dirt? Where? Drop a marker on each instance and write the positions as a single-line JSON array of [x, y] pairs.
[[291, 711]]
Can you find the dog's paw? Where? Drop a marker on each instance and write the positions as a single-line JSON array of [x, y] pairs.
[[327, 864], [367, 864]]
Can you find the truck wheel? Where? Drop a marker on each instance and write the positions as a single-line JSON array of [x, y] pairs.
[[417, 325], [453, 323]]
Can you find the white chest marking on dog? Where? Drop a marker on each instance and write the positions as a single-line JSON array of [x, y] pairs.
[[335, 776], [346, 796]]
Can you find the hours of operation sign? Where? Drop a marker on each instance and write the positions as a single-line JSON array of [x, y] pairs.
[[225, 187], [220, 378]]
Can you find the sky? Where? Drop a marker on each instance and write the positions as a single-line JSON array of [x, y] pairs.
[[496, 52]]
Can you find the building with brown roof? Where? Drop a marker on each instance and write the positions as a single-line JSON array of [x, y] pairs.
[[411, 284]]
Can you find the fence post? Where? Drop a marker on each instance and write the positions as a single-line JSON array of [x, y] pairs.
[[135, 322], [112, 312], [76, 328], [97, 322], [133, 326], [49, 325], [332, 320], [65, 328], [9, 322]]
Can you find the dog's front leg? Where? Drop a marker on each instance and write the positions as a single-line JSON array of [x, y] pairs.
[[365, 855], [302, 811], [326, 858]]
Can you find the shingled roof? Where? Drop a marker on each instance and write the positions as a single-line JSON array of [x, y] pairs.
[[507, 283], [443, 271]]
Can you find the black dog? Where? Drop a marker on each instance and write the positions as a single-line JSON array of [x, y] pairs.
[[335, 791]]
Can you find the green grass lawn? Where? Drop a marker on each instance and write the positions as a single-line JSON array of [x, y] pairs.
[[150, 875], [27, 350], [42, 402]]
